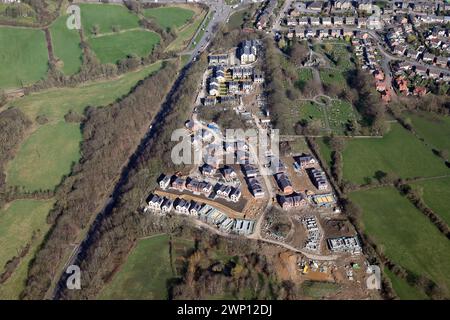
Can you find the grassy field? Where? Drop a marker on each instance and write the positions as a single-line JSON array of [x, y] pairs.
[[169, 17], [39, 162], [147, 270], [403, 289], [111, 48], [404, 234], [331, 76], [66, 46], [45, 157], [304, 75], [433, 128], [398, 152], [311, 111], [299, 146], [106, 16], [185, 34], [318, 290], [325, 151], [436, 194], [55, 103], [237, 19], [23, 57], [339, 113], [17, 223]]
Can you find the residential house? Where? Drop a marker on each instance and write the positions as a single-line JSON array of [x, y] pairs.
[[235, 195], [155, 202], [420, 91], [402, 85], [233, 87], [413, 54], [303, 21], [182, 206], [248, 51], [258, 78], [249, 170], [208, 170], [284, 183], [306, 161], [195, 208], [229, 99], [442, 61], [343, 4], [165, 182], [247, 86], [210, 101], [219, 59], [295, 200], [291, 22], [309, 33], [399, 50], [255, 188], [224, 191], [167, 205], [428, 57], [338, 21], [326, 21], [421, 71], [178, 184], [314, 21], [318, 178], [315, 6], [365, 5], [350, 21], [229, 173], [362, 22]]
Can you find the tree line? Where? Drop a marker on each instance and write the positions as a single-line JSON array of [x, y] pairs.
[[110, 136], [13, 126], [123, 223]]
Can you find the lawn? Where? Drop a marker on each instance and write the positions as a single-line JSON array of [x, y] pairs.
[[17, 223], [397, 152], [111, 48], [23, 57], [45, 157], [106, 16], [147, 270], [66, 46], [169, 17], [433, 128], [39, 162], [436, 194], [403, 289], [405, 235]]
